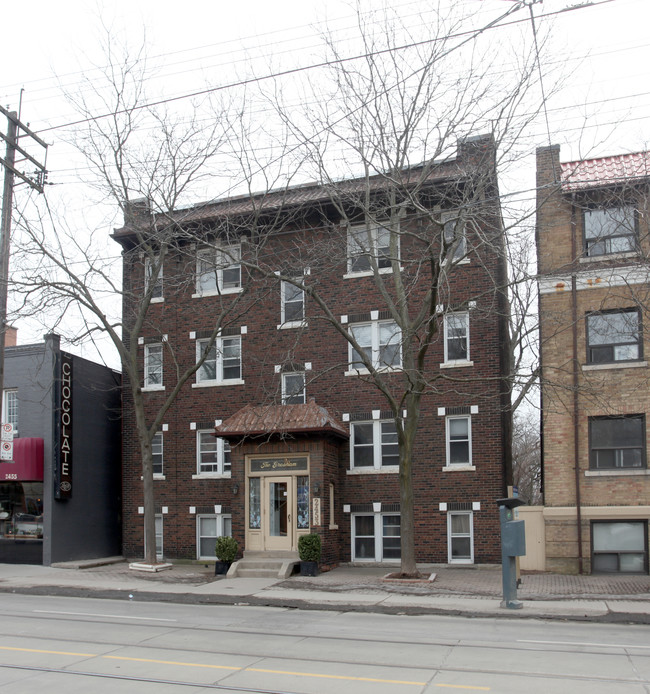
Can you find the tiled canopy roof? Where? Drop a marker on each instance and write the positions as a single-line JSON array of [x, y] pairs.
[[280, 419], [606, 171]]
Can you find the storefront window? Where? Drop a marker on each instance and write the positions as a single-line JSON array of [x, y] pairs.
[[254, 509], [303, 503], [21, 509]]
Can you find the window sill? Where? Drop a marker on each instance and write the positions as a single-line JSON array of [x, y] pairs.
[[462, 261], [212, 476], [157, 300], [292, 324], [609, 256], [218, 292], [456, 364], [214, 384], [617, 473], [365, 372], [152, 389], [615, 365], [156, 477], [368, 273], [388, 470], [461, 561], [459, 468]]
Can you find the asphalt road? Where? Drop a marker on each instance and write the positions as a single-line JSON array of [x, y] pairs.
[[69, 645]]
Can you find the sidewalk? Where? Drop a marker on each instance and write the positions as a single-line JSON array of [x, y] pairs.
[[471, 591]]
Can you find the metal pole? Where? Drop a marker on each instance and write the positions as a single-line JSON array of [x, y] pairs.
[[5, 237]]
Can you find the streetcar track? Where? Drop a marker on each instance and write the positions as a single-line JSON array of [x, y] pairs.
[[601, 679]]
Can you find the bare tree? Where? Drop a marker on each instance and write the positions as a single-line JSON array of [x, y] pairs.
[[388, 119], [526, 457], [144, 162]]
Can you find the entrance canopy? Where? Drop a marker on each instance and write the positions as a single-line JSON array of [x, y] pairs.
[[280, 420], [27, 463]]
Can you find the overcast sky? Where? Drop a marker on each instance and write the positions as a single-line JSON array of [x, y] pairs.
[[603, 48]]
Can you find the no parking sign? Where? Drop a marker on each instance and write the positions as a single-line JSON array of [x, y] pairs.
[[7, 442]]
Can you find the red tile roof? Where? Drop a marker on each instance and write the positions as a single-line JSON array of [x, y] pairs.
[[280, 419], [606, 171]]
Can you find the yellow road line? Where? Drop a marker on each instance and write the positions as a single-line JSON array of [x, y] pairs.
[[171, 662], [316, 675], [37, 650], [334, 677]]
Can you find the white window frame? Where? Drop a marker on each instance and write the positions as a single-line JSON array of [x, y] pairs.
[[10, 408], [288, 396], [224, 527], [377, 446], [223, 457], [356, 249], [157, 294], [212, 262], [292, 323], [378, 527], [149, 370], [158, 449], [448, 420], [449, 220], [356, 367], [447, 319], [218, 359], [460, 560]]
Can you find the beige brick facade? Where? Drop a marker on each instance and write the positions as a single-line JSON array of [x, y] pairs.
[[575, 283]]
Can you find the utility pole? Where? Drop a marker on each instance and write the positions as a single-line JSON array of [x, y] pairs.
[[15, 131]]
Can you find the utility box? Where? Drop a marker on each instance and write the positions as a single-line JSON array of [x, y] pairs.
[[513, 544]]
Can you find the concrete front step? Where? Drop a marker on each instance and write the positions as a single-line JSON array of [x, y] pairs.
[[263, 567]]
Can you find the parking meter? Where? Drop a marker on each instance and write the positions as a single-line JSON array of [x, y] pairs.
[[513, 544]]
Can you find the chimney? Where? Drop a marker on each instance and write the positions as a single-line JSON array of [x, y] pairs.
[[11, 336]]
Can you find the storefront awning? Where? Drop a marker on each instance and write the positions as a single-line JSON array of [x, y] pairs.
[[27, 463]]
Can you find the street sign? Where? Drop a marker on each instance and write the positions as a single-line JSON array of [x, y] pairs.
[[7, 432]]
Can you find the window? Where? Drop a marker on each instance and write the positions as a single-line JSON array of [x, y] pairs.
[[208, 529], [459, 441], [610, 230], [617, 442], [293, 389], [454, 233], [380, 341], [460, 537], [613, 336], [150, 265], [292, 303], [157, 453], [376, 537], [456, 337], [218, 270], [153, 365], [212, 454], [223, 360], [619, 547], [365, 243], [374, 445], [10, 409]]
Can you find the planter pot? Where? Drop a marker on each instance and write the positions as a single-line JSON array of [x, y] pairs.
[[309, 568], [221, 567]]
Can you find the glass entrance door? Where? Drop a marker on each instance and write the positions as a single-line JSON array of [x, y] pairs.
[[279, 531]]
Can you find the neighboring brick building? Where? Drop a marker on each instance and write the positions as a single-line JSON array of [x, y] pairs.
[[287, 393], [593, 246]]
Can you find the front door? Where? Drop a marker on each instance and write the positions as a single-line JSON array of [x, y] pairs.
[[279, 522]]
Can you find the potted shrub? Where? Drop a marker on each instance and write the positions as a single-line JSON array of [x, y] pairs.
[[309, 550], [226, 551]]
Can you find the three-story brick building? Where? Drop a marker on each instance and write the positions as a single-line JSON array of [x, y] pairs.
[[593, 247], [306, 439]]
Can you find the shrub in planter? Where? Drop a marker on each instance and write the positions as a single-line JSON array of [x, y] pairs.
[[309, 551], [226, 551]]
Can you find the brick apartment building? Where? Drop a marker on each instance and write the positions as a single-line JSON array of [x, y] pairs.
[[593, 246], [306, 441]]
